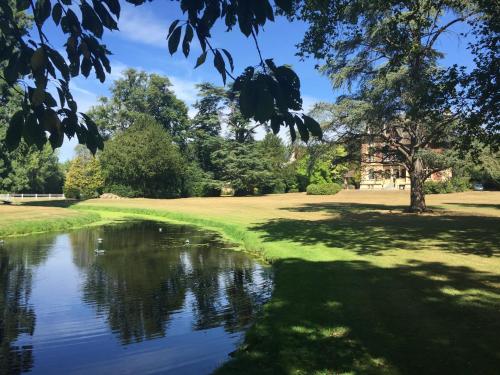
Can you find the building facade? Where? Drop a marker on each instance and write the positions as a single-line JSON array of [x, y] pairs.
[[381, 172]]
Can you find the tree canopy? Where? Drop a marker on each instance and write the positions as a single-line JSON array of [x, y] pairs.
[[143, 160], [267, 92], [400, 99], [138, 92]]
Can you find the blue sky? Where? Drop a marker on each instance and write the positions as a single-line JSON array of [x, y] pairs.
[[141, 43]]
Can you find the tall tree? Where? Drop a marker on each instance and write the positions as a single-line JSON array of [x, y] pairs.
[[140, 93], [401, 99], [206, 125], [243, 166], [27, 169], [84, 178], [143, 160]]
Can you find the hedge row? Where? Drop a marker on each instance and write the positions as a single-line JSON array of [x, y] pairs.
[[454, 185], [323, 189]]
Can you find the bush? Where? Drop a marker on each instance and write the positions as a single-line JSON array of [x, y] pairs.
[[84, 179], [323, 189], [122, 191], [454, 185], [211, 188]]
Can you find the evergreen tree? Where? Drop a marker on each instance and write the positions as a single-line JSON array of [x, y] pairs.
[[144, 161]]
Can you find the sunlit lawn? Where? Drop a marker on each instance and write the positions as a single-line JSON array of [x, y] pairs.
[[362, 287]]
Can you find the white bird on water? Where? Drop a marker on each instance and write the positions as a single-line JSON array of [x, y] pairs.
[[97, 251], [186, 242]]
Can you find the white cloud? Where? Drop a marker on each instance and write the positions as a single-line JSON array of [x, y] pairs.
[[84, 98], [308, 102], [184, 89], [141, 25]]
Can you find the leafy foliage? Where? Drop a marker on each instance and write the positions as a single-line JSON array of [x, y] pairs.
[[84, 178], [26, 169], [269, 94], [140, 93], [323, 189], [22, 57], [454, 185], [145, 160], [401, 99], [242, 166]]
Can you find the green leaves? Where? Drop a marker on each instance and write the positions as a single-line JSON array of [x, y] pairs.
[[38, 60], [13, 136], [90, 20], [57, 13], [312, 126], [201, 59], [174, 39], [220, 65], [188, 37], [270, 96], [42, 10]]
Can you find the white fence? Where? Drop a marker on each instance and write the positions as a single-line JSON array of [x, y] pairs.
[[31, 196]]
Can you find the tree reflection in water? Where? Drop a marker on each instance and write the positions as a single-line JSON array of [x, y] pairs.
[[146, 277], [17, 316]]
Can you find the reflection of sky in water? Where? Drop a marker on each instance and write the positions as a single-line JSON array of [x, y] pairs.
[[149, 304]]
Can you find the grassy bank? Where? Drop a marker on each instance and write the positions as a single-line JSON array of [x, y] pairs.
[[23, 220], [360, 286]]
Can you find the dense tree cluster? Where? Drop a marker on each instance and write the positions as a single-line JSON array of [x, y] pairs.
[[387, 54], [27, 169], [146, 154]]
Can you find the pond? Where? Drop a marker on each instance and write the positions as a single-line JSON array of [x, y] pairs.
[[159, 298]]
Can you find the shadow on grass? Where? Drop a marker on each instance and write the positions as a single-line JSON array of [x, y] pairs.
[[372, 229], [476, 205], [64, 203], [354, 317]]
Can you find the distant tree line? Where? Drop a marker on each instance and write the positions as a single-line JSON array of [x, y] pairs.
[[153, 149]]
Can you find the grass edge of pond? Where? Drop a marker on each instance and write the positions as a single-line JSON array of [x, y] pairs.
[[57, 224]]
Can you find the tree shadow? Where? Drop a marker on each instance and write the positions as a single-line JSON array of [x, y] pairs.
[[373, 229], [476, 205], [63, 203], [355, 317]]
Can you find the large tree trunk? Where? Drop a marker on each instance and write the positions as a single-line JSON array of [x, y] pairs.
[[417, 179]]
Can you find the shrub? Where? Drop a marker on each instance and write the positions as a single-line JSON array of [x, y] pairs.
[[211, 188], [454, 185], [323, 189], [122, 191], [84, 178]]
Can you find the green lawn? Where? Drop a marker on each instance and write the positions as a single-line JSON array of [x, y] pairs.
[[360, 286]]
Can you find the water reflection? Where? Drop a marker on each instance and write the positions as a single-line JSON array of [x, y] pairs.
[[148, 303], [17, 315]]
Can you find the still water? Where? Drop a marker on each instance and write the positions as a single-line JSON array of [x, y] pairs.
[[150, 303]]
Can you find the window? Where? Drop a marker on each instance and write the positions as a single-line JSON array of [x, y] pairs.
[[371, 153], [396, 173], [403, 173], [387, 174], [371, 174]]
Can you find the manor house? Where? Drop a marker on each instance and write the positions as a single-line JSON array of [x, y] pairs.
[[380, 172]]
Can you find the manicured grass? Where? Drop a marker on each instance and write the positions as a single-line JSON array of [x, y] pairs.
[[21, 220], [360, 286]]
